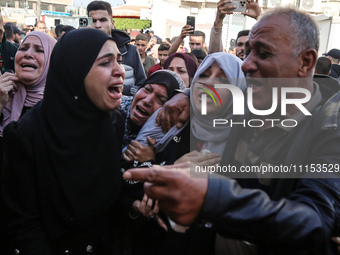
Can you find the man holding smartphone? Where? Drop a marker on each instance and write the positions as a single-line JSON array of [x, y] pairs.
[[196, 39], [101, 13], [253, 10]]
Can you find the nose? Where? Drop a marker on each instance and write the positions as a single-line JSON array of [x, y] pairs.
[[29, 53], [210, 80], [148, 100], [118, 70], [97, 24], [249, 65]]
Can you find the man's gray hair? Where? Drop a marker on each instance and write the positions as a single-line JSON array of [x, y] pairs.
[[303, 29]]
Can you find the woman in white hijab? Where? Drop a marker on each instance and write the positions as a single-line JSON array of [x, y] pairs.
[[216, 68]]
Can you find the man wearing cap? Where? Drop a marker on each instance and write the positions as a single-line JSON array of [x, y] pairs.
[[334, 56], [17, 33], [7, 51]]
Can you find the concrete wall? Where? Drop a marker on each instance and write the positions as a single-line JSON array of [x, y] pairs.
[[334, 35], [324, 23], [66, 2], [329, 28], [49, 20]]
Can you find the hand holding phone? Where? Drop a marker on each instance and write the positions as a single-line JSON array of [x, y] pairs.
[[191, 22], [187, 30]]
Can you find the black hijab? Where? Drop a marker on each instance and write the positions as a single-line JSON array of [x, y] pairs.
[[169, 79], [77, 142]]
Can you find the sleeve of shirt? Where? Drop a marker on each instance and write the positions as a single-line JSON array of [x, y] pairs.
[[215, 43], [249, 214]]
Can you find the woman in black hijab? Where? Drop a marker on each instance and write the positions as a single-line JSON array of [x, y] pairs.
[[62, 177]]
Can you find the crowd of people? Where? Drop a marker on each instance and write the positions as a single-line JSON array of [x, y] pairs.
[[101, 137]]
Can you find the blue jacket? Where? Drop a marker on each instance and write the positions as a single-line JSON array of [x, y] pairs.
[[295, 216], [335, 71]]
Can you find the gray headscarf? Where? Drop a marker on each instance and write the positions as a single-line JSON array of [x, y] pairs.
[[214, 138], [151, 129]]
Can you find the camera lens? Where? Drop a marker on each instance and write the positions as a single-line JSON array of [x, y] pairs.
[[83, 22]]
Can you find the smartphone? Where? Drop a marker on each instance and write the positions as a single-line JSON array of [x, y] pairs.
[[84, 22], [240, 5], [191, 22]]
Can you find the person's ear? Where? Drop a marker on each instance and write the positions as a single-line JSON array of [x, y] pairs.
[[307, 61], [113, 23]]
